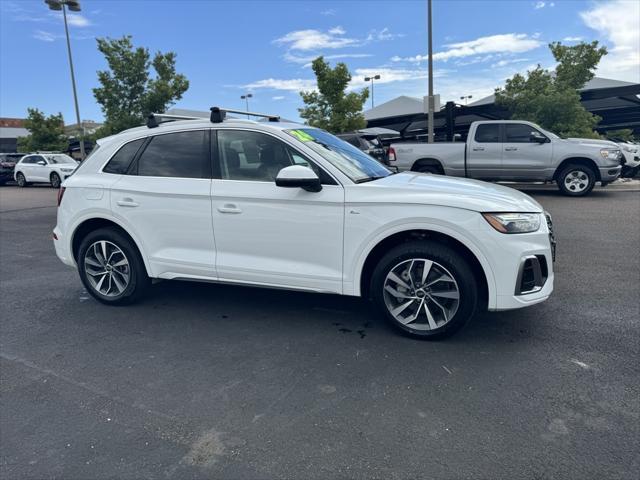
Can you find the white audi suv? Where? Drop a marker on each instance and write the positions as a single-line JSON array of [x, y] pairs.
[[283, 205]]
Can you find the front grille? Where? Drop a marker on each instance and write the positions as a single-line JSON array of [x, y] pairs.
[[552, 236]]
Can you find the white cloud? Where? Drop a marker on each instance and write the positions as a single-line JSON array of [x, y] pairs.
[[617, 23], [278, 97], [293, 84], [328, 12], [305, 40], [45, 36], [382, 35], [572, 39], [540, 4], [76, 20], [391, 75], [503, 43], [307, 59], [508, 61]]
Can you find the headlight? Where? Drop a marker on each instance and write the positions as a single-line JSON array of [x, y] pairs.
[[610, 153], [513, 222]]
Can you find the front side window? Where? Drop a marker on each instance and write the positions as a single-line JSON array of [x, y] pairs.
[[519, 133], [255, 156], [180, 154], [487, 133], [354, 163], [119, 163]]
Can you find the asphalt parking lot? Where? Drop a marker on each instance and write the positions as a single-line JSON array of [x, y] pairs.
[[210, 381]]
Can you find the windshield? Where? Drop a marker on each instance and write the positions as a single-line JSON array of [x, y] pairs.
[[355, 164], [61, 159], [551, 134]]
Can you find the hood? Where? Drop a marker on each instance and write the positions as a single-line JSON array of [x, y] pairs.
[[594, 142], [422, 188]]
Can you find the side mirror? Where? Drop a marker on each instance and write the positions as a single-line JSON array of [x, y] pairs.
[[298, 176], [42, 162], [535, 137]]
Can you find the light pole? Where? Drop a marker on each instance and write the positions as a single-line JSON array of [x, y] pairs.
[[371, 79], [430, 99], [466, 98], [246, 99], [74, 6]]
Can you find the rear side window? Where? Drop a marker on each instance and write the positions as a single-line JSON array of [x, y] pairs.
[[119, 163], [488, 133], [181, 154]]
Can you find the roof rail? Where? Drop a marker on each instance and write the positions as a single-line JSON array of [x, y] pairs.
[[155, 119], [218, 114]]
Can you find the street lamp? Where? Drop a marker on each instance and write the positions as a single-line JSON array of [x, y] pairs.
[[74, 6], [246, 99], [371, 79], [466, 98]]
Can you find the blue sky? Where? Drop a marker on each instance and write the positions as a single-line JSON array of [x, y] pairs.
[[227, 48]]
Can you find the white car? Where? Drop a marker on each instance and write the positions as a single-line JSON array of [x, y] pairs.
[[51, 168], [289, 206]]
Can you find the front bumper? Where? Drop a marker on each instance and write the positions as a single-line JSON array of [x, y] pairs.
[[609, 174]]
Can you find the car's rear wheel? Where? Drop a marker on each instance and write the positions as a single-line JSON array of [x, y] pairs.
[[111, 267], [433, 169], [425, 289], [55, 180], [21, 180], [576, 180]]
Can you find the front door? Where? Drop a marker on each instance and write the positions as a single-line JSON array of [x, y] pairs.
[[164, 199], [273, 235], [523, 159], [484, 152]]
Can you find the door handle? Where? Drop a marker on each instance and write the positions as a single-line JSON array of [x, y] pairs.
[[510, 149], [229, 208], [478, 149], [127, 202]]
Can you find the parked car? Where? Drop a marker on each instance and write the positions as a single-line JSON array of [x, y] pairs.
[[51, 168], [514, 150], [7, 164], [283, 205], [631, 152], [369, 144]]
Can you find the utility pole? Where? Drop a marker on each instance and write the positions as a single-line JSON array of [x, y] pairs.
[[430, 99], [246, 98], [371, 79]]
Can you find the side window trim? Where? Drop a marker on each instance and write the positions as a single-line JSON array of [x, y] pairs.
[[499, 140], [520, 124]]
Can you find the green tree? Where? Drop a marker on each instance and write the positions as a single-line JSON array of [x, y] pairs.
[[551, 99], [624, 134], [45, 133], [129, 93], [330, 107]]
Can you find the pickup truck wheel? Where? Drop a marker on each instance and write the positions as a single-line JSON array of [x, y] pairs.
[[425, 289], [111, 267], [576, 180]]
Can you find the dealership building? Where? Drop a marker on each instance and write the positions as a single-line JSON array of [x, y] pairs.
[[615, 101]]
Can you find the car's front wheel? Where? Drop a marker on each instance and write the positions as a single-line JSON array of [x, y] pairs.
[[576, 180], [55, 180], [21, 180], [111, 267], [425, 289]]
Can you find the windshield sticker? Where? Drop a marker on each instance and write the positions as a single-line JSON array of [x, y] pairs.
[[301, 135]]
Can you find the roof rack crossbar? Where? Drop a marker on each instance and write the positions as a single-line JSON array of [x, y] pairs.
[[218, 114], [155, 119]]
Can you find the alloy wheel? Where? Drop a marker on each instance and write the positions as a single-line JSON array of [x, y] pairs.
[[107, 268], [576, 181], [55, 180], [21, 180], [421, 294]]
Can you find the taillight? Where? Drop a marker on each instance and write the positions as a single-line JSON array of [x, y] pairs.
[[392, 154], [60, 194]]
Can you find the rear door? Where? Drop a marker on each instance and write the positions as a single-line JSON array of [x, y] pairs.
[[484, 152], [25, 166], [523, 159], [39, 173], [164, 198]]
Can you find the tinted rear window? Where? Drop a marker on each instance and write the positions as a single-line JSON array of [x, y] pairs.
[[488, 133], [182, 154], [120, 162]]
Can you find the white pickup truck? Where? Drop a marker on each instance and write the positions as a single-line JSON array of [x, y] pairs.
[[514, 150]]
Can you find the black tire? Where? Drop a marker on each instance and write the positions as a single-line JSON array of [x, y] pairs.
[[138, 281], [21, 180], [55, 180], [432, 169], [585, 180], [445, 260]]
